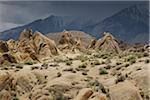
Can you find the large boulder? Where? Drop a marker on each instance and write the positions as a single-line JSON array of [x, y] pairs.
[[124, 91], [44, 46]]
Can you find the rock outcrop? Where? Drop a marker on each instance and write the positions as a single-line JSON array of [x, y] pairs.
[[108, 44], [68, 42], [3, 47]]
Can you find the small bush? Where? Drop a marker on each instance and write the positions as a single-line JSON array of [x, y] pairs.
[[28, 63], [102, 62], [84, 65], [130, 58], [142, 94], [147, 61], [126, 65], [132, 61], [96, 62], [34, 67], [82, 58], [59, 74], [120, 78], [103, 71], [19, 66], [108, 66], [145, 54], [68, 62], [118, 63]]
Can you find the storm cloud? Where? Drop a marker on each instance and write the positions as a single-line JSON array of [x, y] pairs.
[[15, 13]]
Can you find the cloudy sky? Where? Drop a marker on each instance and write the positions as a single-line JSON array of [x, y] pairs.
[[16, 13]]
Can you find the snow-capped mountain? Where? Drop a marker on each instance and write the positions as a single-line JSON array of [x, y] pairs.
[[130, 25]]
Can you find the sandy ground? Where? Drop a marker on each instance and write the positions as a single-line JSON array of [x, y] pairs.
[[71, 72]]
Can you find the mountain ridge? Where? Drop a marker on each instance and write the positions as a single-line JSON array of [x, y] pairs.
[[126, 25]]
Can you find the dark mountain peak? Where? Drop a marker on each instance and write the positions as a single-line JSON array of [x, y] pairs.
[[127, 24]]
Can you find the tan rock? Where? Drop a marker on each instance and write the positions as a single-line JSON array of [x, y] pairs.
[[44, 46], [84, 94], [124, 91], [5, 81], [108, 44], [98, 96], [5, 95]]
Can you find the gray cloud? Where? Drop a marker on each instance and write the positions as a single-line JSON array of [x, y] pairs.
[[22, 12]]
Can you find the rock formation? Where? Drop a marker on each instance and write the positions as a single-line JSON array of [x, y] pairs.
[[67, 41], [3, 47], [107, 44]]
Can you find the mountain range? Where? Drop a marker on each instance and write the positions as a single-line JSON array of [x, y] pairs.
[[130, 25]]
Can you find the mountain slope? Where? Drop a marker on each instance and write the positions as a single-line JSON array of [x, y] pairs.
[[129, 25]]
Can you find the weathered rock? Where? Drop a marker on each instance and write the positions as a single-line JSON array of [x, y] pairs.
[[5, 95], [44, 46], [3, 47], [8, 57], [92, 44], [124, 91], [25, 35], [67, 41], [98, 96], [108, 44], [12, 45], [84, 94], [141, 78], [5, 81]]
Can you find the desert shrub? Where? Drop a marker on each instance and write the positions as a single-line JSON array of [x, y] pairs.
[[68, 62], [147, 61], [118, 63], [126, 65], [84, 65], [19, 66], [34, 67], [108, 66], [44, 64], [59, 74], [28, 63], [142, 94], [95, 62], [132, 61], [129, 58], [7, 63], [102, 62], [82, 58], [145, 54], [58, 60], [118, 67], [103, 71], [84, 73], [97, 86], [120, 78]]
